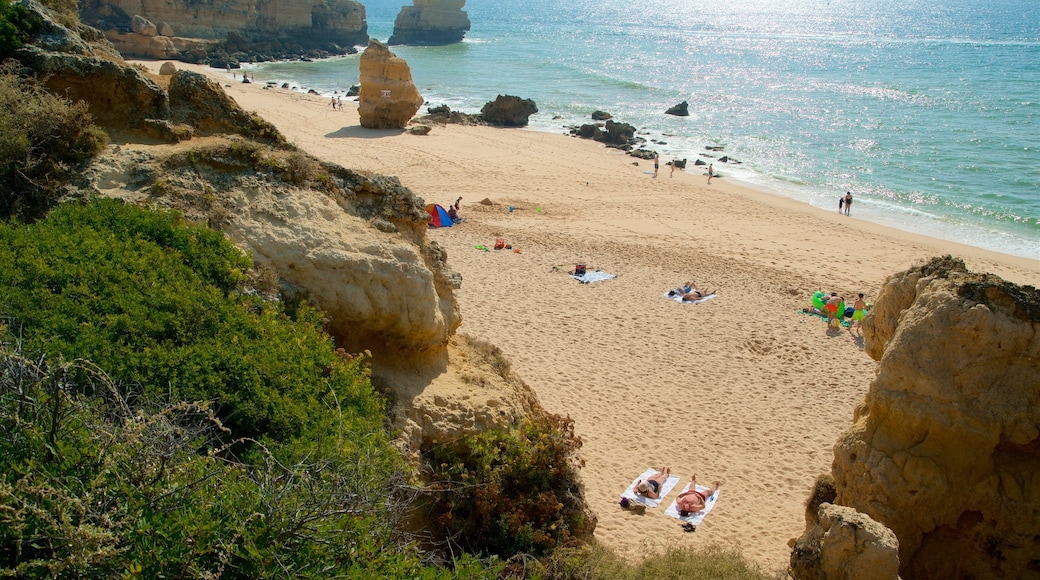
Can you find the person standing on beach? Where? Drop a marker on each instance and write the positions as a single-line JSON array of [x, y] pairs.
[[672, 172], [859, 308], [711, 172], [657, 164], [834, 304], [841, 202], [848, 202]]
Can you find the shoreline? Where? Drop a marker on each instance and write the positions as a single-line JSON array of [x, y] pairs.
[[911, 220], [743, 388]]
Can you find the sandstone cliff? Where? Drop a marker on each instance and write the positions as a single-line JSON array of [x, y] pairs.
[[353, 244], [431, 22], [388, 98], [945, 449], [311, 23]]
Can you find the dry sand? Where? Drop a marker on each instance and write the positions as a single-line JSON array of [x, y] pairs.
[[743, 388]]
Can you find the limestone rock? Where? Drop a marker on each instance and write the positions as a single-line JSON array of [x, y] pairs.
[[845, 545], [165, 29], [52, 36], [431, 22], [142, 26], [167, 69], [945, 450], [473, 393], [119, 96], [388, 98], [508, 111], [312, 23], [203, 104], [133, 45]]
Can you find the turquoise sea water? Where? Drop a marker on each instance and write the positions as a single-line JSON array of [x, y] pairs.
[[928, 111]]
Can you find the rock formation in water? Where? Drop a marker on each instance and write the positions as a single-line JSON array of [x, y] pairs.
[[508, 111], [388, 98], [431, 22], [333, 25], [945, 449]]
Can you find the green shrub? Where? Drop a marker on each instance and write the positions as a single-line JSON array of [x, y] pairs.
[[510, 491], [710, 562], [92, 487], [154, 302], [16, 27], [43, 140]]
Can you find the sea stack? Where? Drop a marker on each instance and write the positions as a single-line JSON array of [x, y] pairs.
[[430, 22], [388, 98]]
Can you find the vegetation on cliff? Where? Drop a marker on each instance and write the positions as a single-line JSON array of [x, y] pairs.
[[171, 422], [108, 467], [44, 138], [16, 27]]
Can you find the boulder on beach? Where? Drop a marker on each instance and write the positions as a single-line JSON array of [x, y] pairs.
[[508, 111], [388, 98]]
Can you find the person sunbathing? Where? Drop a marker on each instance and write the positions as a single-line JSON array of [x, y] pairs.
[[651, 486], [689, 291], [693, 501], [692, 293]]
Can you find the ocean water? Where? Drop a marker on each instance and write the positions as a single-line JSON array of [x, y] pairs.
[[927, 111]]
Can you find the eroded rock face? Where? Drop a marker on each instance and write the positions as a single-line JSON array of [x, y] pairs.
[[309, 22], [119, 96], [431, 22], [472, 392], [847, 545], [388, 98], [945, 450]]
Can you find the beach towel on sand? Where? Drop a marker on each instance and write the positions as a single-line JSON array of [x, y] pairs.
[[672, 295], [844, 321], [697, 517], [631, 494], [593, 276]]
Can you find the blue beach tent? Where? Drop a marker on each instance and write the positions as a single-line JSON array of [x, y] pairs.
[[438, 217]]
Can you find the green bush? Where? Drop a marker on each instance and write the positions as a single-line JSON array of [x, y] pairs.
[[93, 488], [16, 27], [43, 140], [511, 491], [153, 301], [710, 562]]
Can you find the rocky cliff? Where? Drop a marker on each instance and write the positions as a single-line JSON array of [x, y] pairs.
[[945, 449], [431, 22], [332, 24]]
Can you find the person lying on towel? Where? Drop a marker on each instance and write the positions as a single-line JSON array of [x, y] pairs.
[[651, 486], [689, 291], [691, 502]]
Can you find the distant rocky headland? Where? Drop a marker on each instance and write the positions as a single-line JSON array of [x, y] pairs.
[[227, 34]]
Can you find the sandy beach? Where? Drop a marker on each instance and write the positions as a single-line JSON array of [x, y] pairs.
[[743, 388]]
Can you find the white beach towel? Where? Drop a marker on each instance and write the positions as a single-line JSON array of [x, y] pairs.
[[669, 483], [678, 298], [697, 517], [593, 276]]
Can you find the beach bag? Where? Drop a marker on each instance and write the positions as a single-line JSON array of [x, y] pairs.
[[500, 244], [579, 269]]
